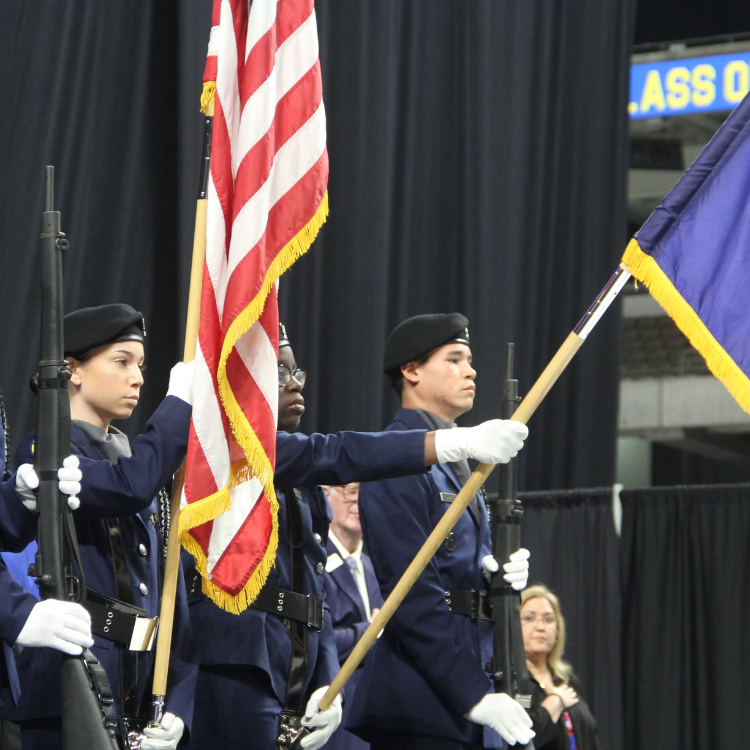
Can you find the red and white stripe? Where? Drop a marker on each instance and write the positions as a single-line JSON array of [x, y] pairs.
[[266, 199]]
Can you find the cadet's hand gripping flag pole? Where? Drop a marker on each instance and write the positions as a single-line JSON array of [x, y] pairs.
[[525, 409]]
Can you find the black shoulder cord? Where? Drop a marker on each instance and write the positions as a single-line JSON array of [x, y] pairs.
[[4, 418]]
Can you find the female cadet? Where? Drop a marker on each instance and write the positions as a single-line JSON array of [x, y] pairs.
[[250, 665], [119, 547]]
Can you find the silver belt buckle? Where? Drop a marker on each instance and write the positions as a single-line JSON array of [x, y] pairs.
[[144, 631]]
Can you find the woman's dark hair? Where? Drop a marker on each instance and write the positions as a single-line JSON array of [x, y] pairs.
[[85, 357]]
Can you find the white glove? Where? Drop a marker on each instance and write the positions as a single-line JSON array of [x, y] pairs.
[[68, 477], [493, 442], [62, 625], [326, 720], [516, 571], [181, 381], [500, 712], [26, 482], [164, 736], [69, 480]]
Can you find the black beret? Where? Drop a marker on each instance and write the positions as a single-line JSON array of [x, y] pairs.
[[283, 338], [91, 327], [419, 335]]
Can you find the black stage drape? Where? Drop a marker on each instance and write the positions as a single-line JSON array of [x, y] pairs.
[[478, 155], [686, 577], [575, 552]]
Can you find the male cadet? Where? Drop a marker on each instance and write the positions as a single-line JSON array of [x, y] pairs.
[[352, 592], [272, 655], [424, 684]]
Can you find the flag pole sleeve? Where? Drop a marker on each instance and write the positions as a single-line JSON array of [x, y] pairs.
[[523, 413], [172, 566]]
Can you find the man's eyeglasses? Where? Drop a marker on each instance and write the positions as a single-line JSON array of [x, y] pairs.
[[285, 375], [531, 619], [350, 493]]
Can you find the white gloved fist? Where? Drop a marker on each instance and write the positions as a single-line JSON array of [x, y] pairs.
[[500, 712], [164, 736], [69, 480], [493, 442], [326, 720], [62, 625], [516, 570], [68, 477], [181, 381], [26, 482]]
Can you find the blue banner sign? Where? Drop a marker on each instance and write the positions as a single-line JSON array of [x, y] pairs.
[[695, 84]]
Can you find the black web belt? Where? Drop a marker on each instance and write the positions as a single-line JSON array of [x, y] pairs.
[[304, 608], [469, 603]]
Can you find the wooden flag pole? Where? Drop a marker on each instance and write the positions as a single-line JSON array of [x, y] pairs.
[[172, 567], [523, 413]]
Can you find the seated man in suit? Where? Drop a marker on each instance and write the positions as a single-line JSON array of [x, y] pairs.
[[352, 591]]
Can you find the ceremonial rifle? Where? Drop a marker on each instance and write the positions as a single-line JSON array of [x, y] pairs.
[[508, 666], [86, 702]]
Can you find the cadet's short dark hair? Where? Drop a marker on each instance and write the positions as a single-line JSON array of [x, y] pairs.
[[397, 378]]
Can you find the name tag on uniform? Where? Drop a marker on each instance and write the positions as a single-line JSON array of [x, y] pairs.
[[447, 497], [334, 561]]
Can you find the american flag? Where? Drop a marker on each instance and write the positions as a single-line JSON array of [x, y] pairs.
[[267, 199]]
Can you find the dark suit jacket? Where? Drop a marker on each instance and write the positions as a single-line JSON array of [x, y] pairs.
[[349, 623], [17, 529], [124, 490], [427, 669], [345, 602], [261, 640]]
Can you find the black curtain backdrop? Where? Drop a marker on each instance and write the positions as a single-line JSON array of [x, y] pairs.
[[575, 552], [478, 153], [478, 156], [670, 20], [686, 577]]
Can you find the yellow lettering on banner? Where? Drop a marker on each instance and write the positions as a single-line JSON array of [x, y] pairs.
[[678, 88], [736, 81], [704, 88], [653, 93]]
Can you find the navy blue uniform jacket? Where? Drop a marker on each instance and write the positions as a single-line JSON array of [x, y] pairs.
[[427, 669], [259, 639], [17, 529], [124, 490]]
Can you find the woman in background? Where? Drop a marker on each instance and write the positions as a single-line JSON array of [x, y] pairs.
[[562, 720]]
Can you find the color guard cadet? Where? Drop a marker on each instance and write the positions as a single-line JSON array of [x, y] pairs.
[[119, 529], [352, 592], [424, 685], [24, 620], [263, 660]]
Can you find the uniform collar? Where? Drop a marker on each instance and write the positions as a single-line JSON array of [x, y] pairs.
[[434, 421], [343, 551], [109, 444]]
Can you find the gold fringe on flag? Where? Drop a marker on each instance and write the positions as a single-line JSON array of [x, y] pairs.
[[256, 461], [646, 269], [208, 95]]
